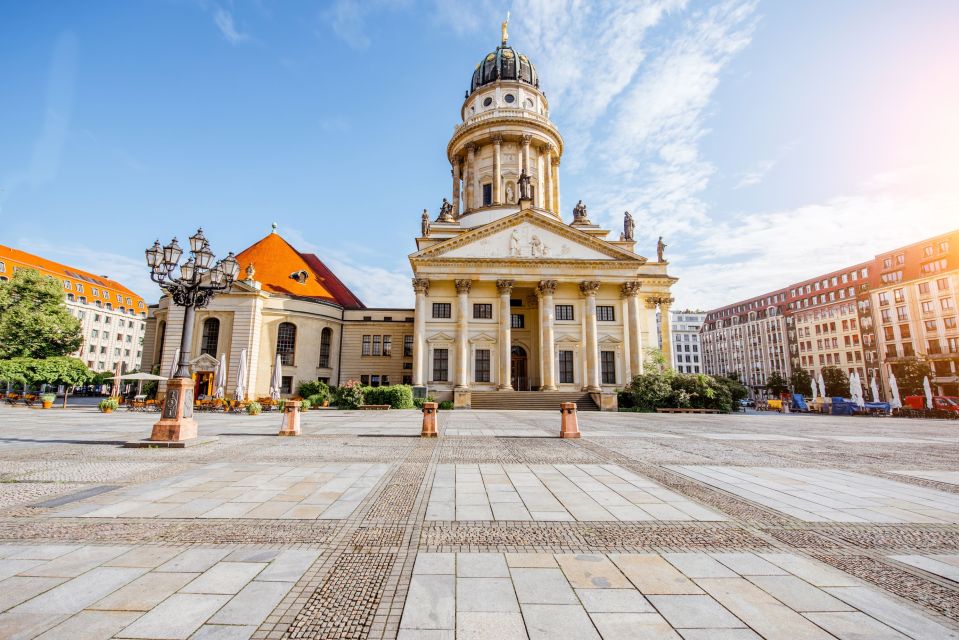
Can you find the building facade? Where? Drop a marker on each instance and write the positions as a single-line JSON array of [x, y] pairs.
[[112, 318], [509, 296], [870, 318], [685, 327]]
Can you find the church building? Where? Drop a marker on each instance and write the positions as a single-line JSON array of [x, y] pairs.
[[510, 297]]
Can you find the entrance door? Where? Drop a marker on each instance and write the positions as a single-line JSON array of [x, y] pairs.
[[518, 375], [203, 385]]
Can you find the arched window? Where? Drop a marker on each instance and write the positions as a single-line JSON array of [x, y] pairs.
[[326, 337], [211, 336], [286, 342]]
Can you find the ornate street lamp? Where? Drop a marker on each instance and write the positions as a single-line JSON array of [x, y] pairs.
[[199, 280]]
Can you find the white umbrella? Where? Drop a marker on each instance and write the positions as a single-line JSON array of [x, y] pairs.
[[812, 383], [874, 387], [176, 363], [240, 391], [277, 379], [894, 401], [219, 378], [139, 376], [822, 386], [860, 399], [852, 387], [928, 391]]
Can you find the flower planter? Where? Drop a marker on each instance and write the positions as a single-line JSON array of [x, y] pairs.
[[48, 404]]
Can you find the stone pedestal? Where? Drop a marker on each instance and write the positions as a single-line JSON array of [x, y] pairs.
[[570, 425], [176, 423], [429, 420], [462, 399], [291, 419]]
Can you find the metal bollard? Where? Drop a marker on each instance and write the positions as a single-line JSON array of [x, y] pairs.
[[570, 425], [429, 420], [291, 419]]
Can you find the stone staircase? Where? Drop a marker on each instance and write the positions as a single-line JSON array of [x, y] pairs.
[[530, 400]]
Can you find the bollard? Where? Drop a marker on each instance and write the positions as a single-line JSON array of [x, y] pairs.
[[291, 419], [570, 425], [429, 420]]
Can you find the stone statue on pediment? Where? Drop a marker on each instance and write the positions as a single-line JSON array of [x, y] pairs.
[[425, 224], [514, 248], [629, 226], [525, 190], [580, 215], [446, 212], [660, 249]]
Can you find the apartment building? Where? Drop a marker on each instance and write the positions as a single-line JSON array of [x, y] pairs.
[[685, 327], [112, 317]]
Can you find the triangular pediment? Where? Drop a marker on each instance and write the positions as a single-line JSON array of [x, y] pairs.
[[526, 235], [203, 362], [610, 340], [440, 337], [568, 339], [483, 337]]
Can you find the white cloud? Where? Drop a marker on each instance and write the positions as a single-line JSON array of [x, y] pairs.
[[347, 18], [224, 22], [755, 175]]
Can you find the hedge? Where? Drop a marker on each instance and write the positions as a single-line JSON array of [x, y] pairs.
[[398, 396]]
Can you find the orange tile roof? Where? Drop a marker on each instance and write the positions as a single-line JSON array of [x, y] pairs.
[[15, 258], [274, 260]]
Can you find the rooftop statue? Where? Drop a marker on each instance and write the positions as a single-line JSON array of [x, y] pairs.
[[629, 226], [525, 192], [579, 214], [446, 212], [425, 224], [660, 249]]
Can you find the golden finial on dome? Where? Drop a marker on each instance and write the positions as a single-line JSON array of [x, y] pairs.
[[505, 24]]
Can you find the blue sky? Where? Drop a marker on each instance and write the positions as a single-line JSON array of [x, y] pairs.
[[767, 141]]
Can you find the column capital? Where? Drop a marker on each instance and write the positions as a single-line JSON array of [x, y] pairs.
[[470, 147], [527, 138], [497, 139], [547, 148], [504, 286], [547, 287], [421, 285], [630, 289], [555, 160], [463, 286], [589, 287], [662, 302]]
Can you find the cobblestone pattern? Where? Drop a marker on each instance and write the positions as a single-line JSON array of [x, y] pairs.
[[919, 482], [396, 501], [896, 538], [922, 591], [21, 493], [476, 450], [377, 536], [579, 537], [56, 471], [128, 530], [344, 606], [543, 451], [333, 449]]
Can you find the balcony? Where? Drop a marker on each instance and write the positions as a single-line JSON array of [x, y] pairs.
[[518, 115]]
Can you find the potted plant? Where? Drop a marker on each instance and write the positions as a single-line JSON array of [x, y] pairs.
[[47, 400], [305, 404], [254, 409], [108, 405]]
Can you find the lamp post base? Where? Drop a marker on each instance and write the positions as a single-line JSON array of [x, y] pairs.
[[177, 423]]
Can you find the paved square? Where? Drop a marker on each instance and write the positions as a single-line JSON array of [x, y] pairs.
[[829, 495], [684, 527], [559, 492]]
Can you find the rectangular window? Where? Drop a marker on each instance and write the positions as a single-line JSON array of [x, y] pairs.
[[482, 365], [374, 380], [487, 195], [564, 312], [441, 365], [566, 367], [385, 380], [365, 380], [407, 379], [608, 366], [933, 347], [605, 313], [377, 346], [927, 306], [924, 288], [949, 323], [483, 311], [930, 325], [407, 346], [366, 345], [517, 320], [942, 284], [387, 345], [442, 310], [898, 296], [946, 304], [904, 331], [901, 313], [953, 344]]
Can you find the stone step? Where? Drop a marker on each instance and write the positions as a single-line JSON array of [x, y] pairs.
[[530, 400]]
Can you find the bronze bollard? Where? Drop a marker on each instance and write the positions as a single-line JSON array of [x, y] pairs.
[[429, 420], [570, 425]]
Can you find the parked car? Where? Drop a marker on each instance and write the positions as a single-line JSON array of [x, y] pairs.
[[941, 403]]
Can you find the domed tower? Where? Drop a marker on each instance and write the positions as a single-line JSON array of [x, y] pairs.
[[505, 132]]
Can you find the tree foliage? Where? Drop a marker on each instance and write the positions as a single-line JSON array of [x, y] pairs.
[[836, 381], [665, 388], [34, 321], [909, 375], [801, 381], [777, 384]]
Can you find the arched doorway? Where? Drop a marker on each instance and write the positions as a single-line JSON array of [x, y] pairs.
[[519, 377]]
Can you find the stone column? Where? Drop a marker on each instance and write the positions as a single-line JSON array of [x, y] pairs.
[[664, 326], [524, 163], [631, 294], [462, 334], [588, 288], [547, 158], [422, 288], [456, 187], [505, 287], [555, 185], [470, 175], [497, 170], [546, 289]]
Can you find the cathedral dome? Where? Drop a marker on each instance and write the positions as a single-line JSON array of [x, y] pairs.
[[504, 64]]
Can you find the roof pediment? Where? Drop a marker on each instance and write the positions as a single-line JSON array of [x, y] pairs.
[[526, 235]]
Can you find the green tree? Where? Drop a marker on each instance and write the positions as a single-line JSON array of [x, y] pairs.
[[801, 381], [909, 375], [67, 371], [737, 390], [777, 384], [34, 321], [836, 381]]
